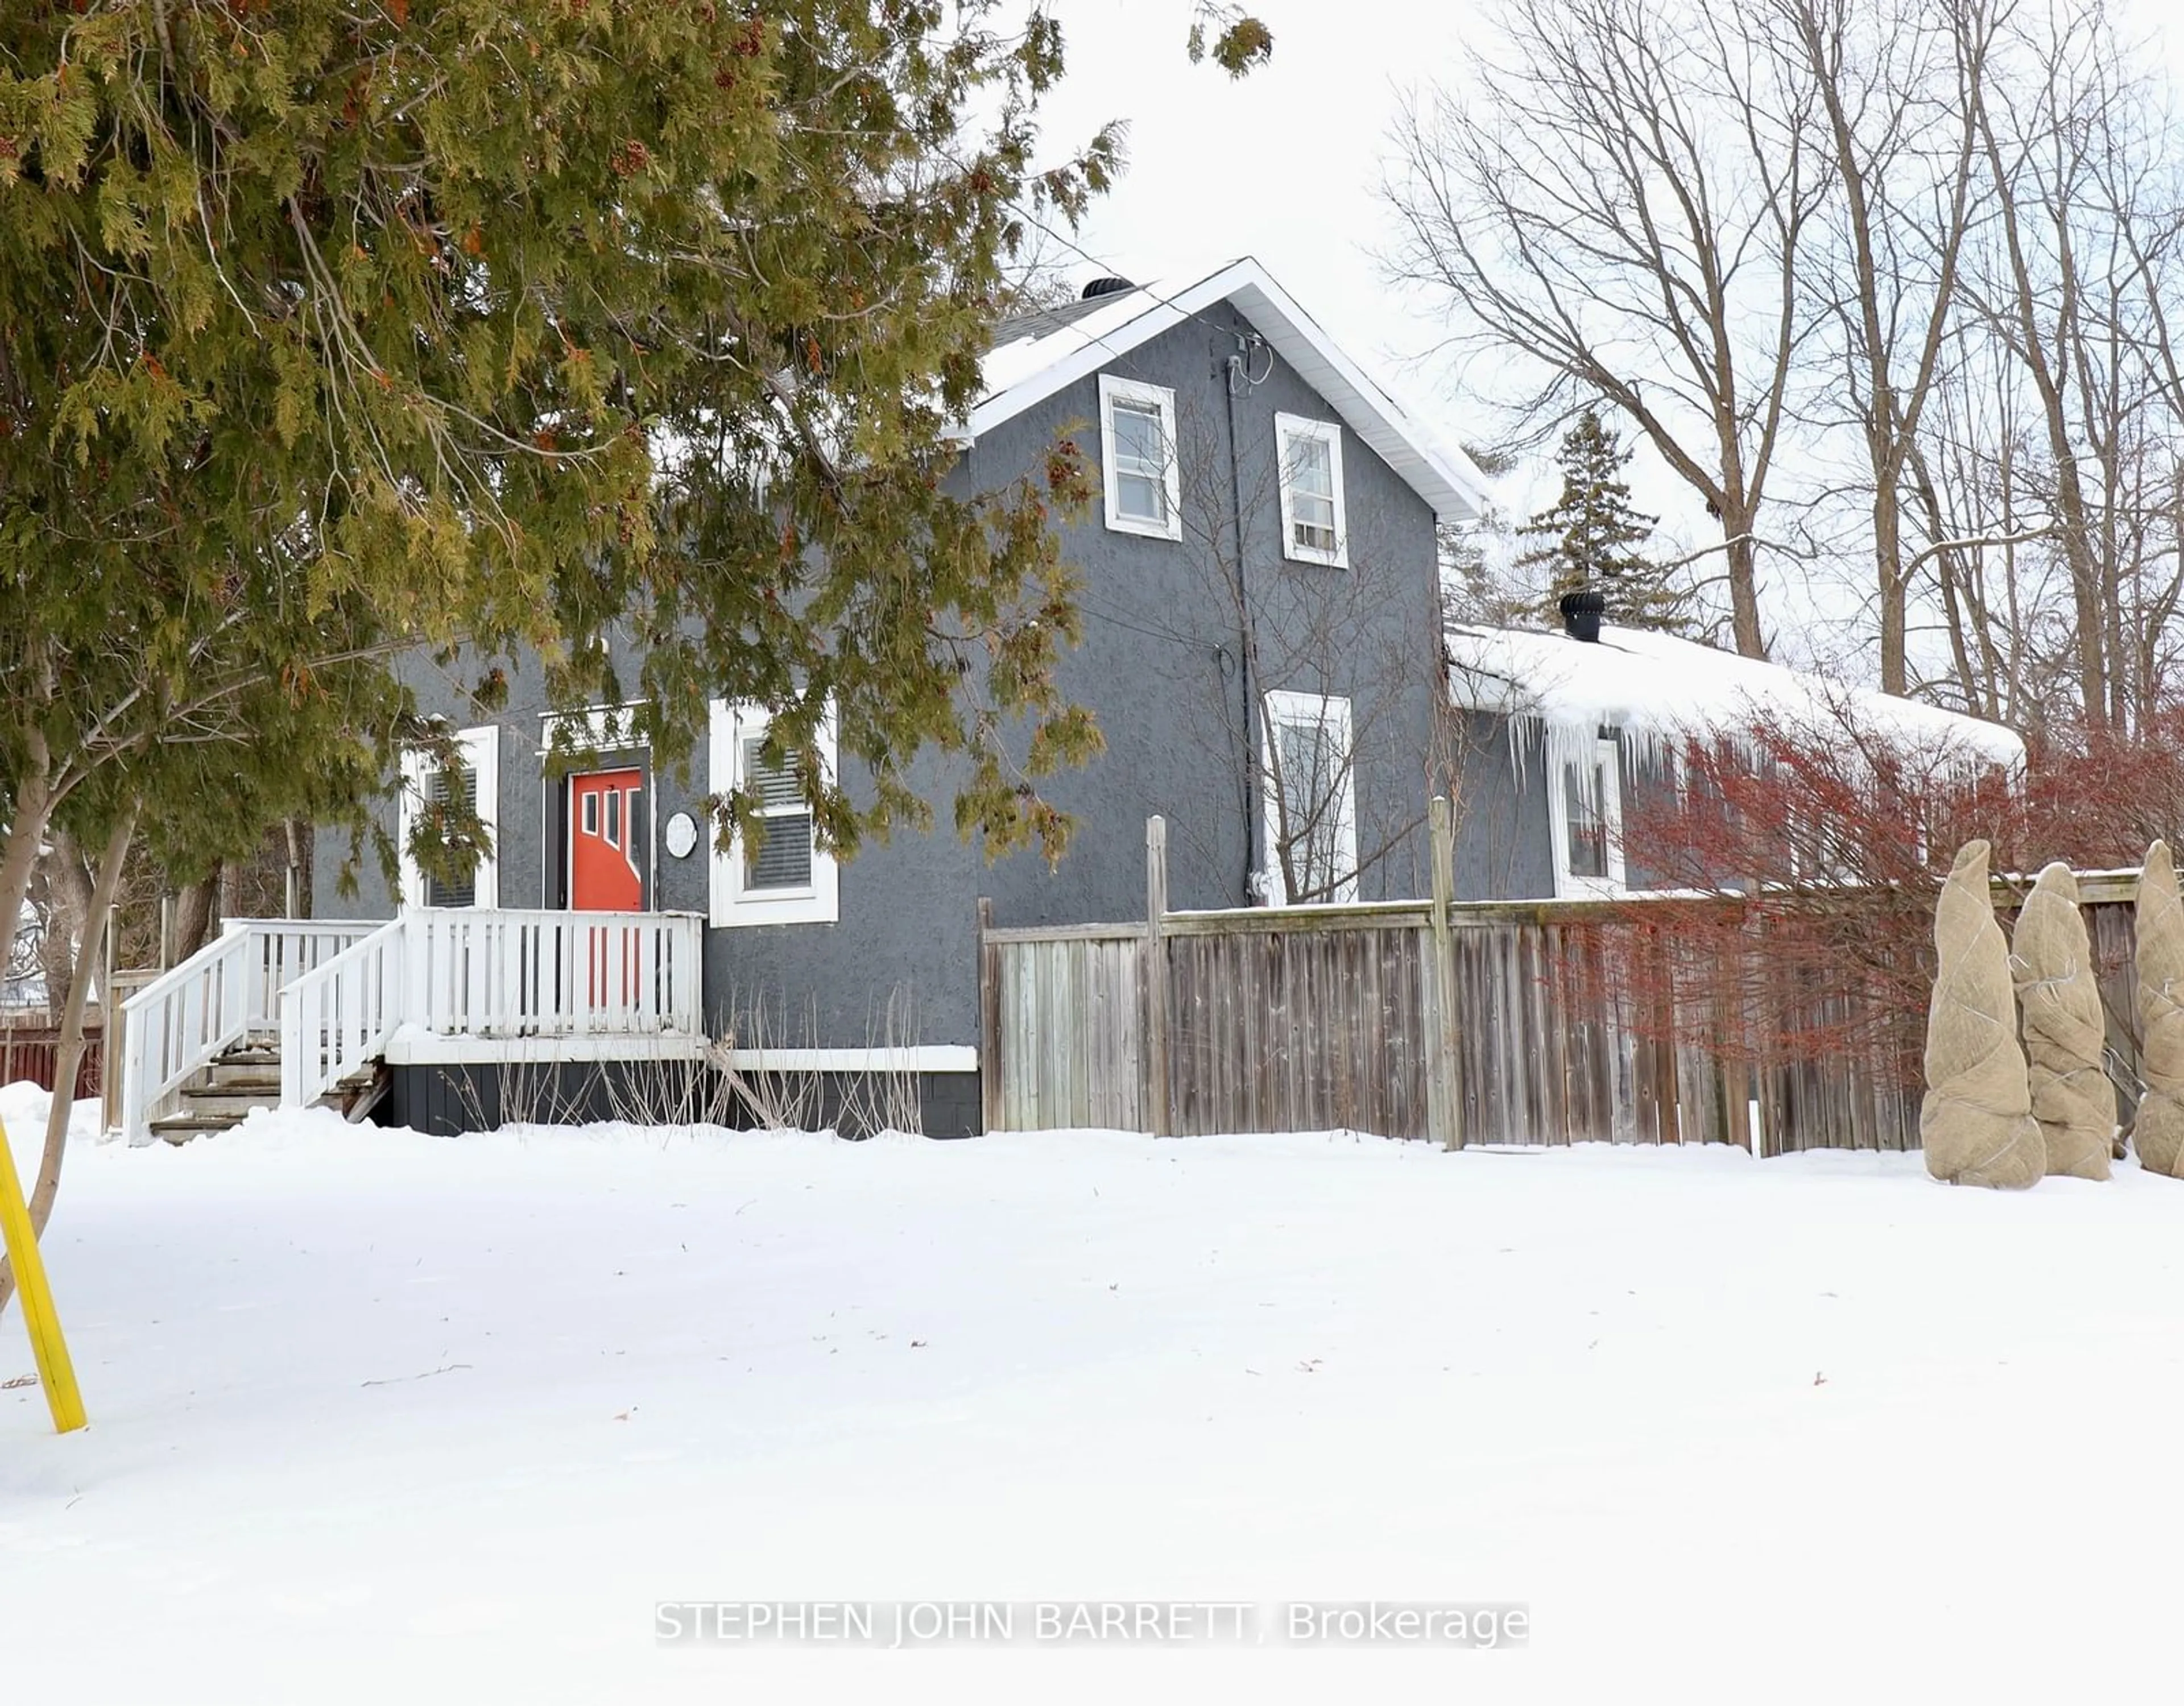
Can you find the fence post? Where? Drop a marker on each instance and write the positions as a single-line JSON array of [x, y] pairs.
[[112, 1050], [1446, 1081], [990, 1021], [1152, 979]]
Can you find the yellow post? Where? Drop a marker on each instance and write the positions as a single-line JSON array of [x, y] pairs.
[[56, 1374]]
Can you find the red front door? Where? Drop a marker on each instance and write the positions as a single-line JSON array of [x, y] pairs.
[[604, 843]]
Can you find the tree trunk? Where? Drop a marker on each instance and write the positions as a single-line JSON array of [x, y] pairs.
[[1960, 611], [67, 1055], [45, 906], [1743, 584], [193, 915], [1888, 555], [296, 891], [2033, 349], [25, 835], [68, 888]]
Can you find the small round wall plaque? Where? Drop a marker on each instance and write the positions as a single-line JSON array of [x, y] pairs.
[[681, 834]]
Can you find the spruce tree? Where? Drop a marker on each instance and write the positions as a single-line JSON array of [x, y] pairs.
[[1593, 540]]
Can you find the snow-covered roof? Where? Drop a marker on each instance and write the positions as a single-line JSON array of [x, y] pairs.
[[1660, 689], [1034, 357]]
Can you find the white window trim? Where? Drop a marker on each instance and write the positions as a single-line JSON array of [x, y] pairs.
[[1113, 390], [595, 731], [1606, 752], [730, 905], [481, 752], [1312, 711], [1328, 432]]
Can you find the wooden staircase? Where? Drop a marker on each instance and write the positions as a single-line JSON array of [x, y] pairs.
[[246, 1076], [300, 1011]]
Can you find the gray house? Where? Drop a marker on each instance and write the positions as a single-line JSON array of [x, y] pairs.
[[1262, 654]]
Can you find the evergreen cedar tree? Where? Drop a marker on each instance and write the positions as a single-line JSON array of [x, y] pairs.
[[1594, 538], [330, 330]]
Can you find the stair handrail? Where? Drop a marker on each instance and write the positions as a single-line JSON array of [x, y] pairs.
[[176, 1023], [335, 1018], [180, 1021]]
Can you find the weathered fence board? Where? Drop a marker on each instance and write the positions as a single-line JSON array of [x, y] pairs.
[[1331, 1017], [1084, 990], [1286, 1033]]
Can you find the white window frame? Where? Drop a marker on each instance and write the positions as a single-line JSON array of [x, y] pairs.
[[1311, 710], [1288, 428], [1606, 752], [1113, 390], [481, 752], [595, 731], [730, 905]]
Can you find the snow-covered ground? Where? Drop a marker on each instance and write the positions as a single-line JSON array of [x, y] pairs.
[[384, 1418]]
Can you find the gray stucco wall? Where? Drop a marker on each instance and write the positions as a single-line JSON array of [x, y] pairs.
[[521, 845], [1643, 785], [1504, 843], [1504, 835], [1160, 666]]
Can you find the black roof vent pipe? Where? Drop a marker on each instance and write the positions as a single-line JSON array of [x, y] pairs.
[[1581, 615], [1105, 286]]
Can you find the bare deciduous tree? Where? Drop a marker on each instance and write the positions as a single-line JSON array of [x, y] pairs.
[[1325, 696], [1891, 86], [2048, 477], [1622, 205]]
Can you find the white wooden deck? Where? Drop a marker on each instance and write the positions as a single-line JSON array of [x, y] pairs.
[[473, 984]]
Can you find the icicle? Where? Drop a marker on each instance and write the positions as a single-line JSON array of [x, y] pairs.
[[1573, 747]]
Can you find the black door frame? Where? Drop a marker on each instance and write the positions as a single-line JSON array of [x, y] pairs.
[[558, 846]]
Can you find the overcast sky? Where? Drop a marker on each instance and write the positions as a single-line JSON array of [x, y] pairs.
[[1285, 165], [1282, 165]]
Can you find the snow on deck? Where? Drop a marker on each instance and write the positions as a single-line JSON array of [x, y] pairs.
[[379, 1417]]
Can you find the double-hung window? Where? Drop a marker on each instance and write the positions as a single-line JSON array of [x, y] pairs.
[[1137, 453], [777, 873], [1311, 799], [1584, 811], [1312, 530], [428, 789]]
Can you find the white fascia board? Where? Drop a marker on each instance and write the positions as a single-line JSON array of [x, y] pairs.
[[412, 1044], [1159, 313], [1444, 478]]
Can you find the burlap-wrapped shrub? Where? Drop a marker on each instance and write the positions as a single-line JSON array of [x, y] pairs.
[[2158, 1135], [1976, 1125], [2060, 1003]]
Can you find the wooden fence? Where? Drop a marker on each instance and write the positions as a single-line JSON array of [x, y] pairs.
[[32, 1052], [1333, 1017]]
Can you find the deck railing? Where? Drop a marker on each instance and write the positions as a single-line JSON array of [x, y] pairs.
[[490, 974], [475, 972], [335, 1018], [338, 992], [180, 1022]]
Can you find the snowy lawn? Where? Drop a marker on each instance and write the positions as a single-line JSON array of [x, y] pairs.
[[382, 1417]]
